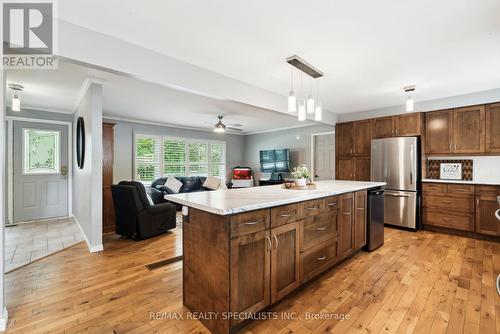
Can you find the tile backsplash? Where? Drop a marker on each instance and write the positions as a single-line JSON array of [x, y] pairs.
[[433, 168], [483, 168]]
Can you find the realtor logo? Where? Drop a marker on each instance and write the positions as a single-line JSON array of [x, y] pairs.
[[28, 35]]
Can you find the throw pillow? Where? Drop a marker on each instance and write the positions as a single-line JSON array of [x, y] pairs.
[[173, 184], [212, 182]]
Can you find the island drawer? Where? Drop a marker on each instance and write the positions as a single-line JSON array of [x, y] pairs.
[[331, 203], [461, 188], [318, 259], [285, 214], [312, 208], [465, 204], [459, 221], [316, 229], [250, 222]]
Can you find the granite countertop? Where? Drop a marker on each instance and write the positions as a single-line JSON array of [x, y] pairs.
[[227, 202], [489, 182]]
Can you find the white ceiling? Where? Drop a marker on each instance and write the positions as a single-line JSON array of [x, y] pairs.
[[133, 99], [368, 50]]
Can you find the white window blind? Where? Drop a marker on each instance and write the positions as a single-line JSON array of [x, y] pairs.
[[165, 156]]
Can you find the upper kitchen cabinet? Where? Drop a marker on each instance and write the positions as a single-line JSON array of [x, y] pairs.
[[383, 127], [438, 126], [362, 137], [398, 126], [493, 128], [344, 139], [468, 130], [457, 131]]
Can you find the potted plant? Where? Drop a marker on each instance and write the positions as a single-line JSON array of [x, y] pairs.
[[301, 175]]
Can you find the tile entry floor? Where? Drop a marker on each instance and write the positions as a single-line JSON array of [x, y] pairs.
[[26, 242]]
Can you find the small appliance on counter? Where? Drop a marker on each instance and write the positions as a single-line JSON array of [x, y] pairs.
[[242, 177]]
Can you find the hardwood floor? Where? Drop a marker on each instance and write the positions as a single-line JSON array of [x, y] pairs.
[[421, 282]]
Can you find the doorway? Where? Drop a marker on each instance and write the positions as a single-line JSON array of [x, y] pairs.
[[323, 155], [40, 171]]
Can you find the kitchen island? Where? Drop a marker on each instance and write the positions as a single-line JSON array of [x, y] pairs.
[[246, 249]]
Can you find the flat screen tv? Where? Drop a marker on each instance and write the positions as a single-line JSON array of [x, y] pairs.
[[275, 161]]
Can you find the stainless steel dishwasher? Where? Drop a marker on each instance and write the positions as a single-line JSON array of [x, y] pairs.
[[375, 219]]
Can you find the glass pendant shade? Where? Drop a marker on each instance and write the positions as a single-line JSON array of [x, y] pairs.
[[318, 114], [409, 104], [310, 104], [302, 112], [16, 103], [292, 102]]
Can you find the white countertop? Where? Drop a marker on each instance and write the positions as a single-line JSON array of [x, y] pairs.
[[492, 182], [231, 201]]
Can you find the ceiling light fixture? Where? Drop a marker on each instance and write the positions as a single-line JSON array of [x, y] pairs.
[[304, 106], [410, 105], [219, 126], [16, 100]]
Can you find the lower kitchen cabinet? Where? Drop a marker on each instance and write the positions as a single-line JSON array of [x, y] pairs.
[[250, 272], [486, 222], [346, 225], [317, 259], [360, 204], [284, 260]]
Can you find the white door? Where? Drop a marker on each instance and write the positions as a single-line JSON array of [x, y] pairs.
[[40, 171], [324, 157]]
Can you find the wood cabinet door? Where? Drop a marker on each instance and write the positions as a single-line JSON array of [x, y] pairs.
[[362, 137], [345, 168], [346, 225], [344, 139], [362, 169], [493, 128], [438, 129], [108, 208], [360, 202], [250, 272], [468, 130], [383, 127], [408, 124], [486, 222], [285, 276]]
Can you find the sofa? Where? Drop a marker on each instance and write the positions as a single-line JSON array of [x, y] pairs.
[[136, 217], [190, 184]]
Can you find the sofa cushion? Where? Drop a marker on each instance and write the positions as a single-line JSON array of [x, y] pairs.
[[192, 183], [173, 184]]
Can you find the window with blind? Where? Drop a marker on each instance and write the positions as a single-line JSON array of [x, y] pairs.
[[158, 156]]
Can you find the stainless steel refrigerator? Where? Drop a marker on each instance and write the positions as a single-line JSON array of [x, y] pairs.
[[396, 162]]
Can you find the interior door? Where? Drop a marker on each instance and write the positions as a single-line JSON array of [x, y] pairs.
[[40, 171], [324, 157]]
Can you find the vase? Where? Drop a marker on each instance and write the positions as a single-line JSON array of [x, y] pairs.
[[300, 182]]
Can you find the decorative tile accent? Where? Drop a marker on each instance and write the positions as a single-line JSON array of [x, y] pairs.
[[433, 168]]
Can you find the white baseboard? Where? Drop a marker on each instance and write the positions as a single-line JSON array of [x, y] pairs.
[[3, 320], [92, 248]]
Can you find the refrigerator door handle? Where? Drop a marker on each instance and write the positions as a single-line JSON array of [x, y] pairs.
[[396, 195], [411, 164]]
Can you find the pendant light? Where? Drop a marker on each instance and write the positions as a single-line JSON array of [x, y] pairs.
[[292, 99], [318, 113], [410, 105], [310, 100], [16, 100], [301, 115]]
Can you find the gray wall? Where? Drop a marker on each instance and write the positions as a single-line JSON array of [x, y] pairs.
[[3, 197], [124, 143], [300, 150], [87, 182]]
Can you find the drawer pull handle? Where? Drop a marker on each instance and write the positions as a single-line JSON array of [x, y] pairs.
[[321, 228], [332, 203], [446, 218], [285, 215], [446, 202], [347, 213], [252, 223], [312, 208], [270, 243], [321, 258]]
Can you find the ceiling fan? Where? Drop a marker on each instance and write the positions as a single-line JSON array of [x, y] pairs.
[[221, 127]]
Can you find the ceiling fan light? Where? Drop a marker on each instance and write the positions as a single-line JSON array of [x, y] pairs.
[[292, 102], [219, 129], [318, 114], [16, 103], [310, 104], [410, 106], [302, 112]]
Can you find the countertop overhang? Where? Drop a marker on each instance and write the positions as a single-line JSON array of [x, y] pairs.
[[232, 201]]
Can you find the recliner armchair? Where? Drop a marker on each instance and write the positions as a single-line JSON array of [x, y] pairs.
[[136, 218]]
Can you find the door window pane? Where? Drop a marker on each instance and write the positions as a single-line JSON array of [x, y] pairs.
[[41, 151]]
